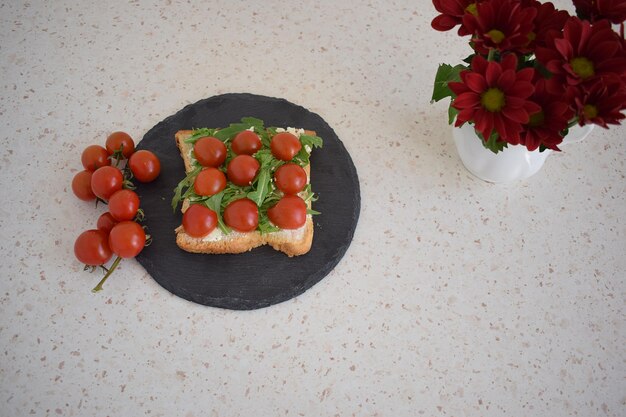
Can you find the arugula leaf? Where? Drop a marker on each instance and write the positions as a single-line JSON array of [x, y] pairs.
[[445, 74], [199, 133], [311, 141], [215, 203], [312, 212], [233, 192], [262, 187], [228, 133], [265, 226], [184, 183]]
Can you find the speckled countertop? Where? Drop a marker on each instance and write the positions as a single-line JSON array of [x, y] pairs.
[[457, 297]]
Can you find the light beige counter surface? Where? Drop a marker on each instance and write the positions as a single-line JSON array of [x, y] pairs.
[[456, 298]]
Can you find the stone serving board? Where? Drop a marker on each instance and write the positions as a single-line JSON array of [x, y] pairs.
[[263, 276]]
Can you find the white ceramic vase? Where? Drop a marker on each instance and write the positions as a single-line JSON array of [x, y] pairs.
[[513, 163]]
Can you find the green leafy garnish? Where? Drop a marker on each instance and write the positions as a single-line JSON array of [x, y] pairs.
[[215, 203], [262, 190], [184, 183], [199, 133], [227, 134]]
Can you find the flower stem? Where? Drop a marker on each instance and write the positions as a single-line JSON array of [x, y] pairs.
[[108, 274], [492, 53]]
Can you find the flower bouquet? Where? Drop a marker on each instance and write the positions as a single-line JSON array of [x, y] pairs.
[[534, 71]]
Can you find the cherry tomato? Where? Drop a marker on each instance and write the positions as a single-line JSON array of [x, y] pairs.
[[94, 157], [144, 165], [209, 181], [81, 185], [105, 181], [242, 169], [106, 222], [285, 146], [290, 178], [127, 239], [242, 215], [199, 220], [123, 205], [117, 140], [92, 247], [288, 213], [246, 143], [210, 151]]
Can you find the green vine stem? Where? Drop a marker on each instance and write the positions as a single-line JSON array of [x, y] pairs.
[[108, 274]]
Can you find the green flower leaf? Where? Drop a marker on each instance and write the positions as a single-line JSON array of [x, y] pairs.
[[445, 74]]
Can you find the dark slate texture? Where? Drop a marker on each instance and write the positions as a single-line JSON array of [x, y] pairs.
[[263, 276]]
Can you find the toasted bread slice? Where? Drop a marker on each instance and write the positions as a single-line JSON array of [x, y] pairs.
[[291, 242]]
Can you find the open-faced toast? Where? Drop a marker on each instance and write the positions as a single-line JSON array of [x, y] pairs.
[[224, 239]]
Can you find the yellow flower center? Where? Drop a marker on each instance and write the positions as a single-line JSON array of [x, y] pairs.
[[536, 119], [590, 111], [492, 99], [582, 67], [496, 35], [471, 8]]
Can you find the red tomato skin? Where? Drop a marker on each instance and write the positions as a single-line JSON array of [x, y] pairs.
[[106, 222], [246, 143], [106, 181], [145, 166], [115, 141], [127, 239], [242, 169], [285, 146], [92, 247], [123, 205], [94, 157], [210, 151], [290, 178], [199, 220], [81, 186], [242, 215], [288, 213], [209, 181]]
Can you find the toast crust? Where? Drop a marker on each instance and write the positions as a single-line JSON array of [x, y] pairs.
[[292, 243]]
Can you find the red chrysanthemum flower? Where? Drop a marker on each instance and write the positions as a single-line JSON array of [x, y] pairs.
[[584, 53], [547, 25], [500, 24], [495, 97], [545, 126], [602, 103], [452, 12], [613, 10]]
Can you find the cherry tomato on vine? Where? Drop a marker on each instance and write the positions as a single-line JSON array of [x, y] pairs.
[[81, 186], [92, 247], [242, 215], [106, 222], [290, 178], [105, 181], [285, 146], [242, 169], [120, 140], [144, 165], [123, 205], [199, 220], [94, 157], [209, 181], [246, 143], [288, 213], [210, 151], [127, 239]]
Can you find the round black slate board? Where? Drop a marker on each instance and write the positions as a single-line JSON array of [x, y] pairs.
[[263, 276]]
